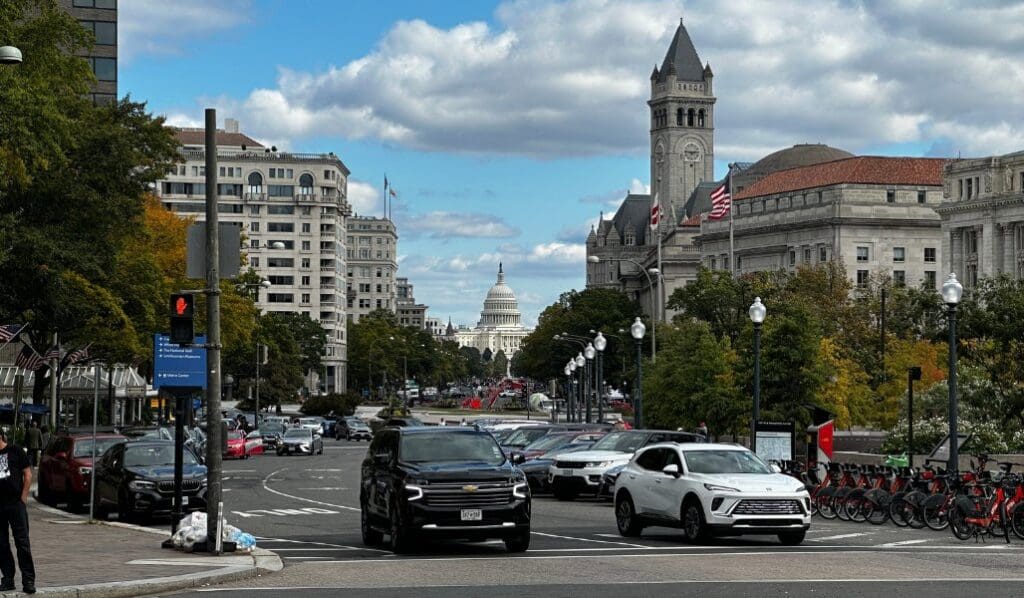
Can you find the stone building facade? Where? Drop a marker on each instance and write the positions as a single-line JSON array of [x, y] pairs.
[[983, 217], [372, 254], [293, 210], [408, 311]]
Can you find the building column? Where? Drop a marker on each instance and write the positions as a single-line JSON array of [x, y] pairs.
[[956, 254], [1009, 263]]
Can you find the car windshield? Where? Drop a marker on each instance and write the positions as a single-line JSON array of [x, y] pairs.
[[297, 433], [548, 442], [155, 456], [724, 462], [524, 436], [356, 423], [83, 446], [444, 446], [309, 421], [271, 429], [624, 442]]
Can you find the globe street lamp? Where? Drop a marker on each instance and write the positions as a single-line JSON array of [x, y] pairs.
[[637, 331], [10, 55], [572, 395], [590, 353], [952, 290], [581, 364], [568, 389], [600, 343], [650, 285], [757, 313]]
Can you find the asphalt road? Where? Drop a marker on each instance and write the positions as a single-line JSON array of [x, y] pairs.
[[305, 508]]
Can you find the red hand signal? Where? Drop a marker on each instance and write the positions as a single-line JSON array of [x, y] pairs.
[[180, 306]]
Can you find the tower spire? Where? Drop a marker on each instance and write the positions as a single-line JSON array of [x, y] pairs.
[[501, 274]]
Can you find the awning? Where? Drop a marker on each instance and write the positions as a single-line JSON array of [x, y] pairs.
[[31, 408], [78, 382]]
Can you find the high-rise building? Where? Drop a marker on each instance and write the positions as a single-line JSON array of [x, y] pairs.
[[100, 18], [409, 312], [372, 254], [292, 209]]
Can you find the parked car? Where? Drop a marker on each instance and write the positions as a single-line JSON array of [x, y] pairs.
[[577, 473], [709, 490], [242, 445], [136, 479], [403, 422], [148, 433], [352, 428], [536, 469], [316, 424], [283, 420], [271, 434], [432, 482], [556, 440], [66, 466], [301, 441]]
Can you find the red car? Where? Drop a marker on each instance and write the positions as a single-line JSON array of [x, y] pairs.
[[66, 466], [241, 446]]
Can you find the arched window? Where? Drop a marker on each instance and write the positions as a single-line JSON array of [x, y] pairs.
[[700, 118], [255, 183], [306, 184], [689, 117], [679, 117]]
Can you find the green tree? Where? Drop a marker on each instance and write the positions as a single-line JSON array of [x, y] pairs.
[[311, 337]]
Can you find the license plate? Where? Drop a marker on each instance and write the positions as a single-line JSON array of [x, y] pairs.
[[472, 515], [184, 501], [565, 472]]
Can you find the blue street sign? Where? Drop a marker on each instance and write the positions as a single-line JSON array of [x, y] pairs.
[[175, 366]]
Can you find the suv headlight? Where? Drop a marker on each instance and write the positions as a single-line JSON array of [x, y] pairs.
[[717, 488], [413, 492], [600, 463], [141, 485], [85, 470], [521, 490]]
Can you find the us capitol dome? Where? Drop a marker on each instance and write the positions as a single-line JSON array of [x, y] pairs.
[[500, 327]]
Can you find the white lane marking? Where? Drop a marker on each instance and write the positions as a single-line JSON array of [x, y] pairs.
[[240, 470], [586, 540], [313, 549], [903, 543], [292, 496], [285, 512], [839, 537], [322, 488], [311, 543], [331, 470]]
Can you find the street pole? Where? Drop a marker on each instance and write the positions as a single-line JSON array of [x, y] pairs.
[[600, 387], [179, 455], [259, 358], [638, 419], [214, 444], [954, 457], [881, 378], [95, 413], [757, 387], [913, 373]]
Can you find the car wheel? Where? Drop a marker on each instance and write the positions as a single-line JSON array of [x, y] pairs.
[[694, 526], [520, 542], [371, 537], [625, 516], [792, 538], [400, 540], [124, 510]]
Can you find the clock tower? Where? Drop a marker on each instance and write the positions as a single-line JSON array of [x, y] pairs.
[[682, 125]]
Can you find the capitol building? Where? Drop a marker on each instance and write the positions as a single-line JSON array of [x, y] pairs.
[[500, 327]]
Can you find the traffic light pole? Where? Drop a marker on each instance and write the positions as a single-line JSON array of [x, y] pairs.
[[214, 431]]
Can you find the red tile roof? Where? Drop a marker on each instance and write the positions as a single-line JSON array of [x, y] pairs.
[[224, 139], [868, 170]]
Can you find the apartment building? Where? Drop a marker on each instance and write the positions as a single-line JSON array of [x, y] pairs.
[[100, 18], [372, 256], [292, 208]]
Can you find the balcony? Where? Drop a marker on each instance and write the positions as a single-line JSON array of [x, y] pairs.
[[326, 268], [307, 197], [255, 197]]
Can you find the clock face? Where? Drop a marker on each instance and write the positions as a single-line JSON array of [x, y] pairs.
[[691, 153]]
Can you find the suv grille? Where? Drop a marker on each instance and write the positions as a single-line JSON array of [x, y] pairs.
[[570, 464], [186, 486], [768, 507], [457, 495]]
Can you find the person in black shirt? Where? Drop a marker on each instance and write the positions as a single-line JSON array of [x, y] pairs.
[[15, 480]]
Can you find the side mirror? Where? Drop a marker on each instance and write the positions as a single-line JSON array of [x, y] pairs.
[[672, 470], [518, 458]]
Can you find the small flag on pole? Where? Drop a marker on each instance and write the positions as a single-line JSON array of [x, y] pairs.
[[655, 213], [53, 353], [385, 182], [29, 359], [10, 331], [721, 202], [77, 356], [392, 192]]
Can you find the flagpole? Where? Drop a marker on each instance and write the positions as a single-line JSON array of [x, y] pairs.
[[53, 386], [732, 247]]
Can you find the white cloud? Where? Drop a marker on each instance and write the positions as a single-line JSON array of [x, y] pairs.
[[160, 27], [364, 198], [555, 79], [452, 225]]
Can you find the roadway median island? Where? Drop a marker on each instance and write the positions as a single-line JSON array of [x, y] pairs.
[[75, 558]]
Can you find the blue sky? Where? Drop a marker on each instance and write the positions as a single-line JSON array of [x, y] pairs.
[[507, 127]]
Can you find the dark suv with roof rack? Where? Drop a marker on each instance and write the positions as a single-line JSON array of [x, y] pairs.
[[434, 482]]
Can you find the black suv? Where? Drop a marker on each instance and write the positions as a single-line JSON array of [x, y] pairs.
[[442, 482], [137, 479]]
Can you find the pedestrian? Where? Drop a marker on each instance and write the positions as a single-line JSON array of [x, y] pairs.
[[463, 422], [33, 442], [702, 429], [15, 481], [44, 436], [443, 423]]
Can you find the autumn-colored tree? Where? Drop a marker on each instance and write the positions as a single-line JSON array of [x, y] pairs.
[[846, 392]]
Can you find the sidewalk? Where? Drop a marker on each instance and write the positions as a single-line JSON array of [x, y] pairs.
[[77, 559]]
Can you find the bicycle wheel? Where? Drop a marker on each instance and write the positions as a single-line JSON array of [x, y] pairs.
[[896, 511], [824, 505], [935, 517], [958, 524], [1017, 521], [876, 513], [855, 509]]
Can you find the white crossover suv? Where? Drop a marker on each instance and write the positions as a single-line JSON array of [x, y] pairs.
[[707, 490], [578, 473]]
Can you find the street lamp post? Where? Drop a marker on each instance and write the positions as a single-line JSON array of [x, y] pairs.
[[757, 313], [581, 364], [952, 290], [10, 55], [590, 353], [913, 373], [637, 331], [650, 285], [600, 343], [571, 412], [568, 390]]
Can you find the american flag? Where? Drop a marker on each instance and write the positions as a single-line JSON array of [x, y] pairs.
[[10, 331], [721, 202], [77, 355], [655, 213], [29, 359], [53, 353]]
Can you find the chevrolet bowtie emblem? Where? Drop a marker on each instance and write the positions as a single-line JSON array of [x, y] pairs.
[[470, 488]]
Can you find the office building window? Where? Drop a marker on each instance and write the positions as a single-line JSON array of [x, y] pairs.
[[108, 4], [807, 255], [822, 254], [862, 278], [280, 298], [254, 262], [280, 262], [280, 227], [305, 262], [254, 227], [305, 281], [792, 257], [714, 263], [899, 254], [379, 271], [254, 209], [929, 255], [105, 32], [305, 245], [922, 197], [274, 209], [305, 227], [104, 68], [899, 278], [862, 254], [929, 279], [305, 297], [890, 196]]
